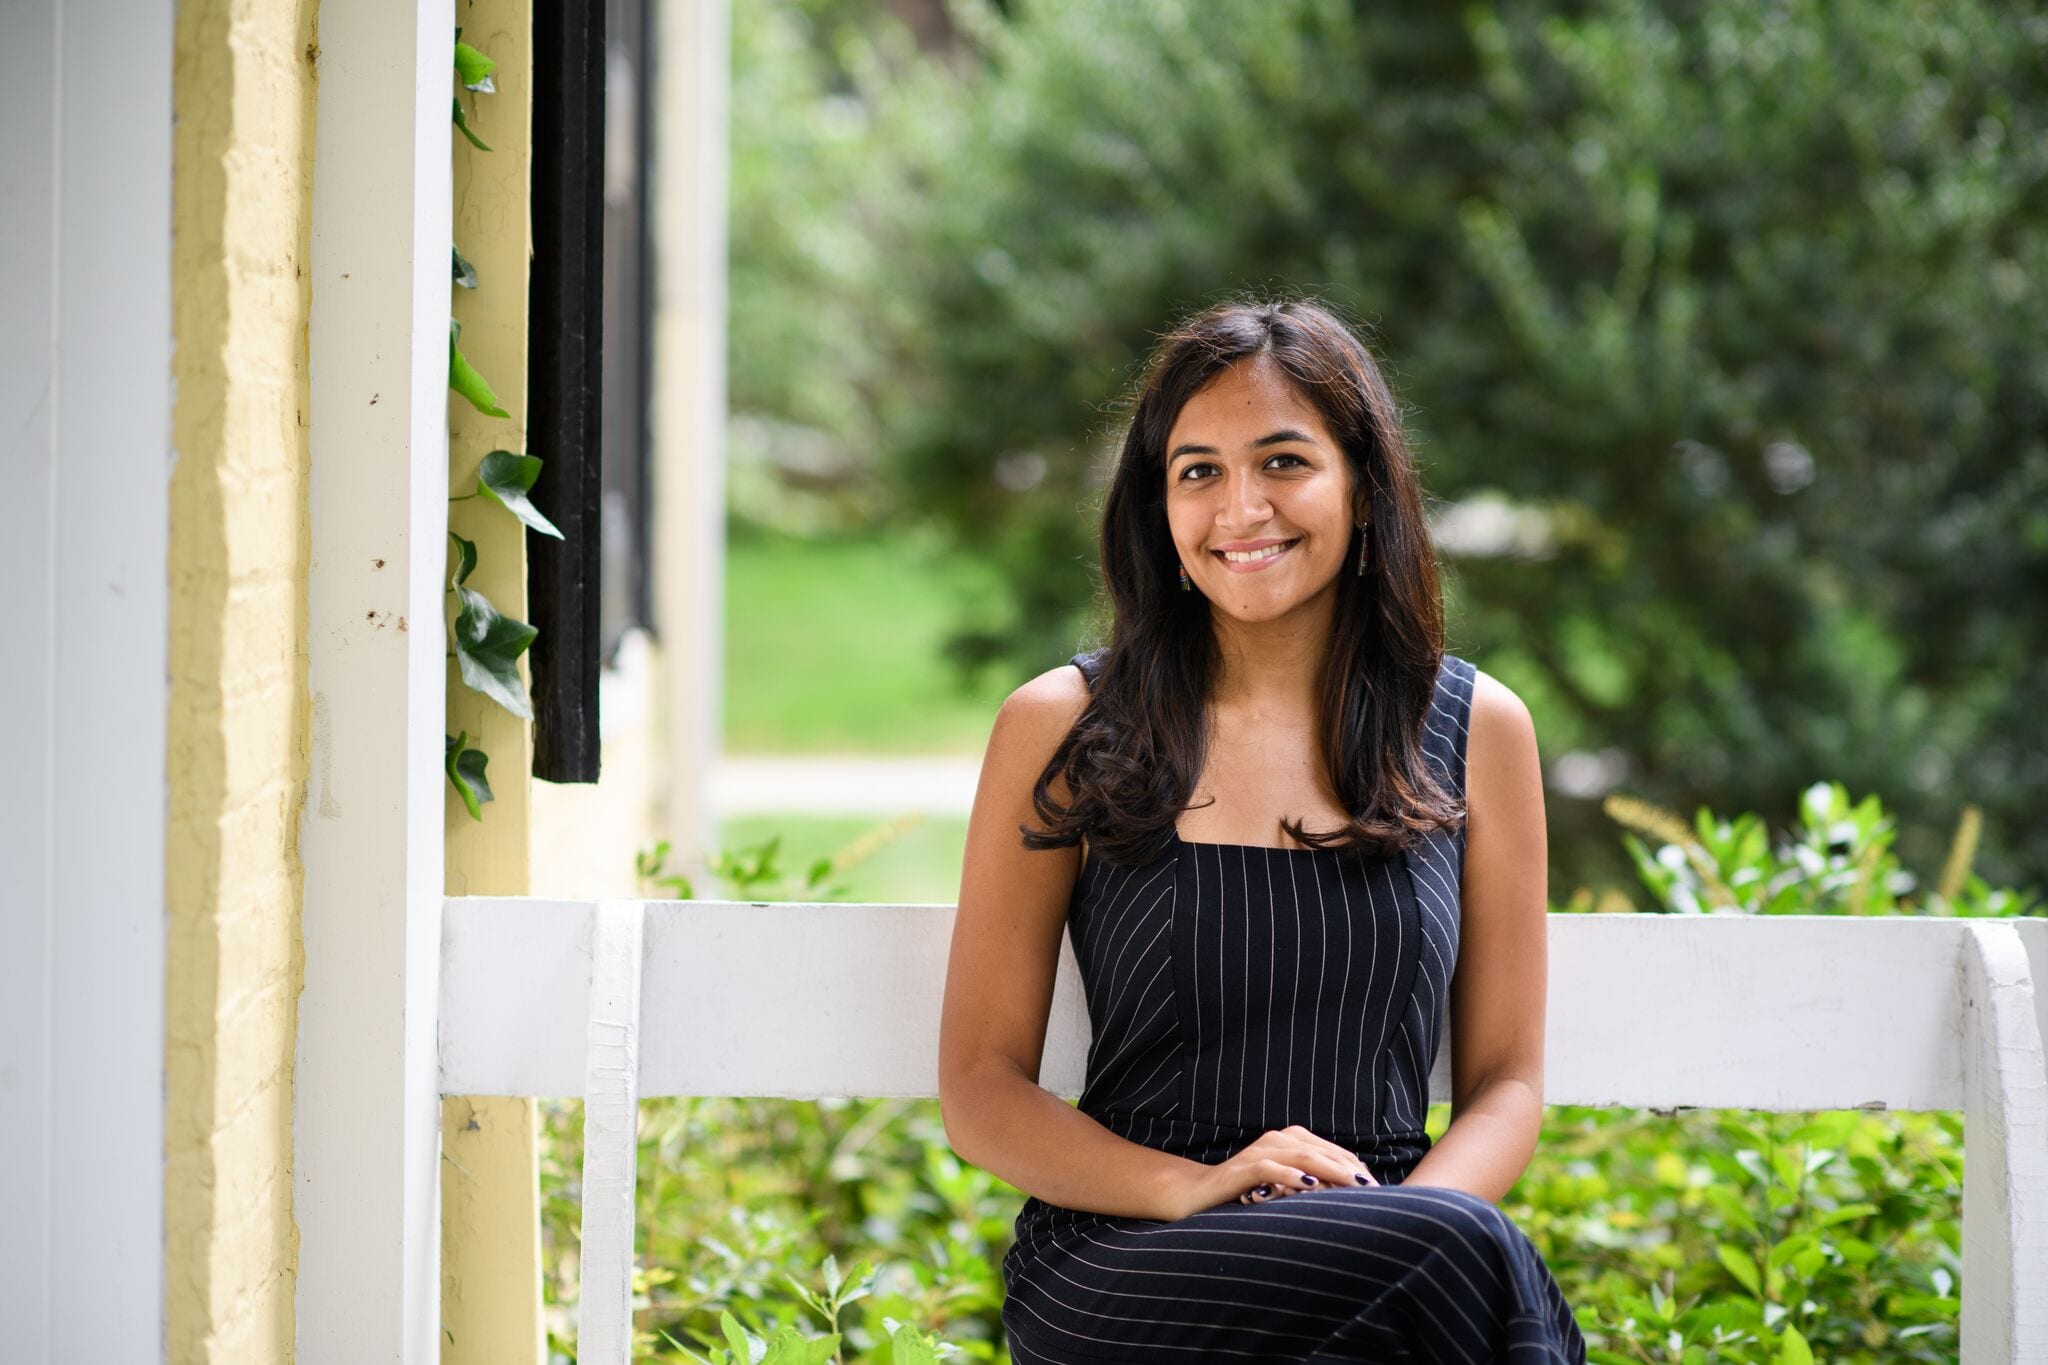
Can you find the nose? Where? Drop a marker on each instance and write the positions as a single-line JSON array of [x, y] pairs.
[[1245, 506]]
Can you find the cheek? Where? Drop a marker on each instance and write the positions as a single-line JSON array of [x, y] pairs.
[[1321, 514]]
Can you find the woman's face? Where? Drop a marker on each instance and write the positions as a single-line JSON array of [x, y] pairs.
[[1258, 494]]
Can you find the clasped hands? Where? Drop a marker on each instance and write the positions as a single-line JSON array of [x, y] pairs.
[[1280, 1162]]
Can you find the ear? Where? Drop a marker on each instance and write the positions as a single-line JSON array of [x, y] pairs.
[[1361, 495]]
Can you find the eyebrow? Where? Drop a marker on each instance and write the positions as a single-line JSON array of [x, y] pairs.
[[1277, 438]]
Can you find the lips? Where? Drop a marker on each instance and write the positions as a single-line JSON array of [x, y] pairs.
[[1251, 561]]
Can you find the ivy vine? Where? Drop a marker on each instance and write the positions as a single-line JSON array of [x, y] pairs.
[[486, 642]]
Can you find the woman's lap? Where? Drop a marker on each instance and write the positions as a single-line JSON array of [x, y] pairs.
[[1326, 1274]]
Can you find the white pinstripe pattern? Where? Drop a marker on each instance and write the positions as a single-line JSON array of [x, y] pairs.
[[1183, 1024]]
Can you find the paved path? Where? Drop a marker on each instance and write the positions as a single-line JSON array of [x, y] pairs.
[[851, 784]]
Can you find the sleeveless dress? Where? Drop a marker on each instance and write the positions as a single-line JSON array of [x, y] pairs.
[[1233, 989]]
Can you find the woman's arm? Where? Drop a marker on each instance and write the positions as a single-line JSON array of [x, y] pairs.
[[1498, 992], [999, 981]]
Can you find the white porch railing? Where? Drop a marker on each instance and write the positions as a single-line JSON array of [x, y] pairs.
[[619, 999]]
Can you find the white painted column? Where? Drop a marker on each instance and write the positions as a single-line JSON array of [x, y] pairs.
[[85, 457], [692, 83], [366, 1116]]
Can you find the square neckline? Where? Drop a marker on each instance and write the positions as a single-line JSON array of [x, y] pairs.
[[1262, 848], [1089, 856]]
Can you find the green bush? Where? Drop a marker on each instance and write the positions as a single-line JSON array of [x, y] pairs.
[[1716, 322], [1694, 1236]]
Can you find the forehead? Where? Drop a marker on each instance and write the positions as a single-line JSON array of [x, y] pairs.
[[1242, 403]]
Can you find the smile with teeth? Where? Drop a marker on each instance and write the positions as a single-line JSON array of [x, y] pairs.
[[1258, 556]]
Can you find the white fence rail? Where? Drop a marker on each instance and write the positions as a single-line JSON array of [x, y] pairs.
[[555, 998]]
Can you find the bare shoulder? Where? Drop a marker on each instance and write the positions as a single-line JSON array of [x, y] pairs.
[[1056, 694], [1500, 749], [1037, 715], [1497, 707], [1028, 729]]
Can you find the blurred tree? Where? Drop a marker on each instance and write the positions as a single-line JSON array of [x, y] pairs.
[[1719, 323]]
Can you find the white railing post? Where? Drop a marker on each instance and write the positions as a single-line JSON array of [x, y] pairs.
[[2005, 1153], [611, 1109]]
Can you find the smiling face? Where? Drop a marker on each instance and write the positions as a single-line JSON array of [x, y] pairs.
[[1258, 494]]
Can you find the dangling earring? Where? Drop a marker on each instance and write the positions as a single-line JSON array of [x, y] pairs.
[[1184, 584], [1362, 533]]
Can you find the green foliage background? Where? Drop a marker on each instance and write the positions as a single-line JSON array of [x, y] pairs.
[[1731, 307]]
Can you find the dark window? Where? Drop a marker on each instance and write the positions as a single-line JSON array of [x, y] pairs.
[[588, 418]]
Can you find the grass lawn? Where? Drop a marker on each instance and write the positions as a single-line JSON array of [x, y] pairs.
[[921, 866], [833, 644]]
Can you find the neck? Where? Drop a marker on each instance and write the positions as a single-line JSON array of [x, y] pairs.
[[1274, 666]]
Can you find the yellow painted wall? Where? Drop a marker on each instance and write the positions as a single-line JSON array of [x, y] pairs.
[[242, 211], [490, 1196]]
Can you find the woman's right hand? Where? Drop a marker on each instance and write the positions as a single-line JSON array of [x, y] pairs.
[[1279, 1162]]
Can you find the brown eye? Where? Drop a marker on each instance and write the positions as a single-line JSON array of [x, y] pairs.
[[1188, 471]]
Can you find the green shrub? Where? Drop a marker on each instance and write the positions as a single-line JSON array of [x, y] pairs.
[[1716, 323]]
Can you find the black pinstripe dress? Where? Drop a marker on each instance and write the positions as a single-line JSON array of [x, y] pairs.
[[1236, 988]]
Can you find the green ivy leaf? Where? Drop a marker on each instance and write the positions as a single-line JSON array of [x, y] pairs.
[[465, 273], [463, 378], [465, 560], [465, 767], [506, 479], [1793, 1349], [462, 126], [470, 780], [475, 69], [488, 646]]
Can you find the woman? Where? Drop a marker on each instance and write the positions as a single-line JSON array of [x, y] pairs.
[[1287, 834]]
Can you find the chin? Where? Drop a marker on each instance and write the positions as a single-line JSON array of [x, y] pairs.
[[1258, 611], [1254, 608]]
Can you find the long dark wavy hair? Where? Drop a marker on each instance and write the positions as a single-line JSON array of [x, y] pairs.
[[1131, 758]]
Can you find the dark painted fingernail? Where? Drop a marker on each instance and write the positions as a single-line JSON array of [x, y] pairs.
[[1263, 1189], [1310, 1180], [1360, 1178]]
